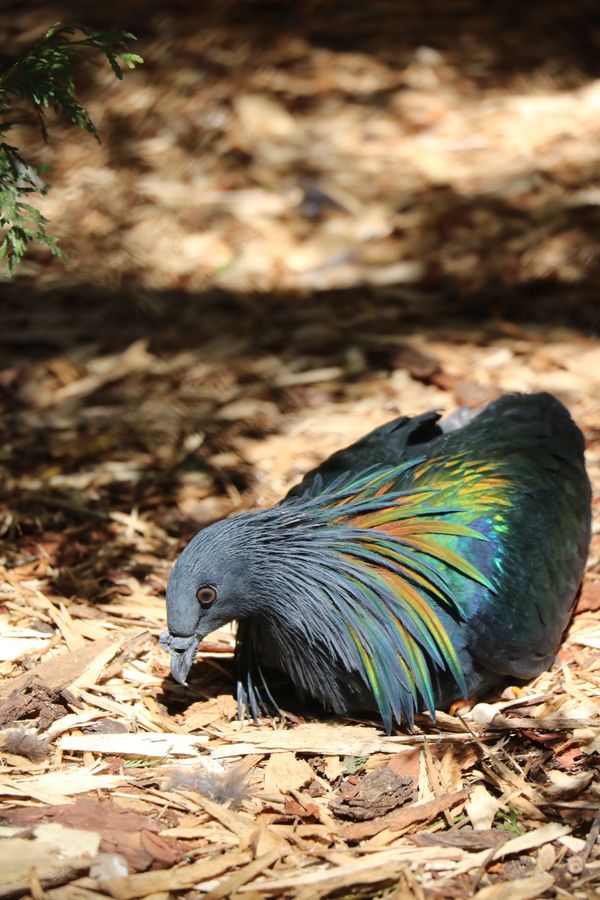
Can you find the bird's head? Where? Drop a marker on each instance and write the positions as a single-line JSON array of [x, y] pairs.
[[212, 583], [255, 563]]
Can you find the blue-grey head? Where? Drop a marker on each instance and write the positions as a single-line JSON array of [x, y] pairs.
[[248, 566], [208, 587]]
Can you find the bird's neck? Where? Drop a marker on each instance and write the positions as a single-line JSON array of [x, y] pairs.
[[312, 661]]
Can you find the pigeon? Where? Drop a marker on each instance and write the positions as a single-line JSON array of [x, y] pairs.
[[431, 560]]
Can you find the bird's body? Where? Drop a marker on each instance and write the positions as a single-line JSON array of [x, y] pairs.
[[422, 564]]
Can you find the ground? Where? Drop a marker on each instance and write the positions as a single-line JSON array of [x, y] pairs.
[[300, 222]]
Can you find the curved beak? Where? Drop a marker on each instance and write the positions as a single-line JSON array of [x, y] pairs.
[[182, 650]]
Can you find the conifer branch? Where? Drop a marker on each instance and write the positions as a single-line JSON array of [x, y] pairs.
[[43, 80]]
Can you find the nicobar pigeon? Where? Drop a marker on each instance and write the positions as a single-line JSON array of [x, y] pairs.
[[427, 562]]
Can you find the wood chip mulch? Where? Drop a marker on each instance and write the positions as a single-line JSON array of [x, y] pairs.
[[267, 260]]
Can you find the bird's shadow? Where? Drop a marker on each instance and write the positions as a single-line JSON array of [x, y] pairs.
[[210, 678], [207, 679]]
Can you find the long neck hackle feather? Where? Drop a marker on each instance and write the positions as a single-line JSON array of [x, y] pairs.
[[352, 581]]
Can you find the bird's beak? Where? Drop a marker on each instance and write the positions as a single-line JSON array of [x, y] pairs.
[[182, 650]]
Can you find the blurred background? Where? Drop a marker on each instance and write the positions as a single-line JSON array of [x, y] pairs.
[[268, 146], [303, 218]]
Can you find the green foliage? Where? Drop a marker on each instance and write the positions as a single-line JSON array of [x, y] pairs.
[[43, 80], [354, 764], [145, 763], [508, 820]]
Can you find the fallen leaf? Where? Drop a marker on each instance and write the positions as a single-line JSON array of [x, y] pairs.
[[467, 838], [314, 738], [146, 883], [262, 117], [333, 767], [285, 772], [517, 889], [297, 810], [150, 744], [403, 818], [406, 763], [534, 838], [130, 834], [589, 598], [481, 807], [566, 787], [50, 857]]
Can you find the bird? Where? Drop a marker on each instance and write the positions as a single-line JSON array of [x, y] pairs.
[[434, 559]]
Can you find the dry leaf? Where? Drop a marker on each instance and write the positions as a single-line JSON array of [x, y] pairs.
[[481, 807], [285, 772], [333, 767], [319, 738], [261, 116], [534, 838], [566, 787], [518, 888], [406, 763], [58, 855], [154, 744], [132, 835], [589, 599], [146, 883], [56, 787], [402, 818]]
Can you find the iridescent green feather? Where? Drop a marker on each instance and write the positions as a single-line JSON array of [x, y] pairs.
[[402, 532]]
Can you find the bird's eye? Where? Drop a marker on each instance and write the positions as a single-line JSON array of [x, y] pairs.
[[206, 595]]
